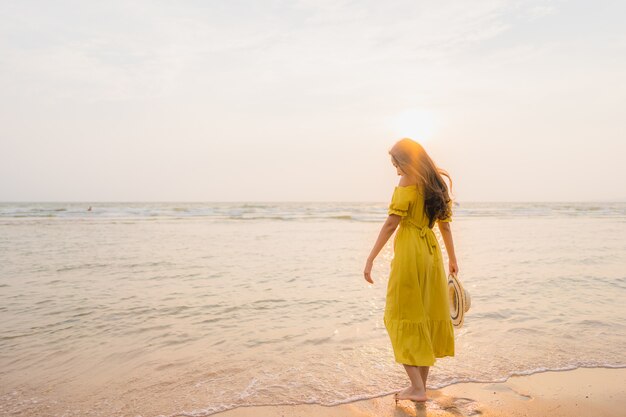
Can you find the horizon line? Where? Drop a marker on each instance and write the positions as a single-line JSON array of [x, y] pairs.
[[298, 201]]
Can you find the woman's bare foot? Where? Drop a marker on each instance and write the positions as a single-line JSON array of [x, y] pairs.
[[411, 393]]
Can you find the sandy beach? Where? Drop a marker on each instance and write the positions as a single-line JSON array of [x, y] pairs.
[[597, 392]]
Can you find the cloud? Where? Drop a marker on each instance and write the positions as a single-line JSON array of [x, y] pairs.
[[539, 11], [122, 50]]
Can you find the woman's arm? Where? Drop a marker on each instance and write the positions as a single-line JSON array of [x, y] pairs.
[[386, 231], [446, 234]]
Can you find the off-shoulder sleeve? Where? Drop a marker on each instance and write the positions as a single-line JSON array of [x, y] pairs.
[[400, 201]]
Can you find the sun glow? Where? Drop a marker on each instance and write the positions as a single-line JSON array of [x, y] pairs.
[[417, 124]]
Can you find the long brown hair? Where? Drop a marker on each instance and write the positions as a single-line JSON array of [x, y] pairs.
[[413, 160]]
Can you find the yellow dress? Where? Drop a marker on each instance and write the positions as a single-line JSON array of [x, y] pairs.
[[417, 312]]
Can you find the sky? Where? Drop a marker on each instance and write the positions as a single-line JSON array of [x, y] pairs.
[[302, 100]]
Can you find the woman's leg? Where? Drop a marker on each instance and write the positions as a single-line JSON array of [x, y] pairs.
[[415, 377], [424, 374], [416, 390]]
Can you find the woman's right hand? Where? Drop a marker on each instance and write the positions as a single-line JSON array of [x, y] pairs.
[[453, 267]]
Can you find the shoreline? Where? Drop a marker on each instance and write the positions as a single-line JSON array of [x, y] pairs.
[[598, 392]]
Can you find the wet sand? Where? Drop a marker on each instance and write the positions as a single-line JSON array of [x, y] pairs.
[[598, 392]]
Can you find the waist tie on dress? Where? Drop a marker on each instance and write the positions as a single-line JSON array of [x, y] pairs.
[[424, 232]]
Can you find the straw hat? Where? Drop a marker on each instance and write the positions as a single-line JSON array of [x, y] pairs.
[[460, 300]]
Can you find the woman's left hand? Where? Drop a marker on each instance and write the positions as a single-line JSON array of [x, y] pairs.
[[367, 273]]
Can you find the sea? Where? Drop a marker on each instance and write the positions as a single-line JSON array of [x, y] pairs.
[[189, 309]]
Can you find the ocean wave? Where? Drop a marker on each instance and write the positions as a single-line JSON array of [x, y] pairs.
[[359, 212]]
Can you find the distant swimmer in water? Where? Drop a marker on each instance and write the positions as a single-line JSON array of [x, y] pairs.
[[89, 209]]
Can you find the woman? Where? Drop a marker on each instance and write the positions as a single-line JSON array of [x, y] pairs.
[[417, 312]]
